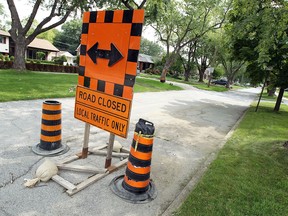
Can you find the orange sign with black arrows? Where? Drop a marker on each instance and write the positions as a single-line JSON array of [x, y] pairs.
[[110, 44]]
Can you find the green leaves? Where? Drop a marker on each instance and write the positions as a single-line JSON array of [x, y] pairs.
[[68, 38]]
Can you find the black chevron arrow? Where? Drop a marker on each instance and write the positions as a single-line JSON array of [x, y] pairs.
[[113, 55]]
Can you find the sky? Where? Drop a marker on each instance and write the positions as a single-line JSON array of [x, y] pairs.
[[24, 10]]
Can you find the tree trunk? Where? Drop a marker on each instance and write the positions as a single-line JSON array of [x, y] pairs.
[[201, 74], [19, 60], [168, 63], [271, 92], [209, 80], [279, 100], [163, 74], [228, 84], [187, 74]]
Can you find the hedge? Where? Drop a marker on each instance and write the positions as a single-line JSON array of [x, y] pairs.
[[42, 67], [6, 64]]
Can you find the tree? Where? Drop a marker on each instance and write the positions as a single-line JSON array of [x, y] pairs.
[[189, 63], [150, 48], [48, 35], [180, 23], [205, 53], [59, 9], [1, 9], [68, 39], [3, 16], [231, 65], [260, 37]]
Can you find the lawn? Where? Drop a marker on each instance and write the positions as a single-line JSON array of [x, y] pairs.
[[196, 84], [31, 85], [144, 85], [250, 175], [36, 85], [265, 96]]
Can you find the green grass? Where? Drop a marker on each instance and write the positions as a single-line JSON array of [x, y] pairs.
[[265, 97], [144, 85], [194, 83], [31, 85], [204, 86], [36, 85], [250, 175]]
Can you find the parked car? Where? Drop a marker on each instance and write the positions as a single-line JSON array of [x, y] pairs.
[[219, 82]]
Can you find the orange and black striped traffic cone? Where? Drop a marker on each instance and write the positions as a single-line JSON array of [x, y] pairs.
[[50, 138], [136, 186]]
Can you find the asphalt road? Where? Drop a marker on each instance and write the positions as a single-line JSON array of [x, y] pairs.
[[191, 126]]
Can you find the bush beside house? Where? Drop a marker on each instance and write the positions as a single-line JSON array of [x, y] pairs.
[[6, 62]]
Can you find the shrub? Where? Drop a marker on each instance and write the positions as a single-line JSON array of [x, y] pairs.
[[77, 60], [60, 60], [40, 55], [6, 58], [6, 64], [217, 73]]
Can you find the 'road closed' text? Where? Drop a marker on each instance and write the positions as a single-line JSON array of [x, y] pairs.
[[99, 100]]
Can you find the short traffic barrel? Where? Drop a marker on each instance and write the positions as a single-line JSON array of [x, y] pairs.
[[136, 185], [50, 138], [137, 176]]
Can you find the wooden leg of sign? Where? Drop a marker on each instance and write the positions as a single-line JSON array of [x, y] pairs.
[[104, 153], [94, 178], [64, 183], [109, 150], [86, 141]]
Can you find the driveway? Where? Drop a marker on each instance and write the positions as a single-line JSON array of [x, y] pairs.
[[191, 126]]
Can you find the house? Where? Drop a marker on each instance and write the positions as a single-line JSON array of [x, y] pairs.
[[144, 62], [4, 42], [70, 58], [41, 45], [7, 47], [208, 73]]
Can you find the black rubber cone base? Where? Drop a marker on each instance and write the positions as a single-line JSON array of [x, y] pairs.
[[59, 151], [145, 197]]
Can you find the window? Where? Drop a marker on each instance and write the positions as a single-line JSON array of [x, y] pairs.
[[2, 39]]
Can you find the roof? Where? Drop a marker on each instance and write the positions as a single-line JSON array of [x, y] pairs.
[[65, 53], [43, 44], [145, 58], [4, 33], [37, 43]]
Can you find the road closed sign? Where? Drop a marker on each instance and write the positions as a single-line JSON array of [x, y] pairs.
[[101, 110], [110, 43]]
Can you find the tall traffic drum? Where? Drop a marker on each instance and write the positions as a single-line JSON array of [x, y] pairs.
[[136, 186], [50, 138]]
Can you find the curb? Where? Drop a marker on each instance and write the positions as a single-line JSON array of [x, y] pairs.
[[182, 196]]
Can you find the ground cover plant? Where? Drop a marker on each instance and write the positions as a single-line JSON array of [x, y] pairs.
[[36, 85], [250, 175]]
